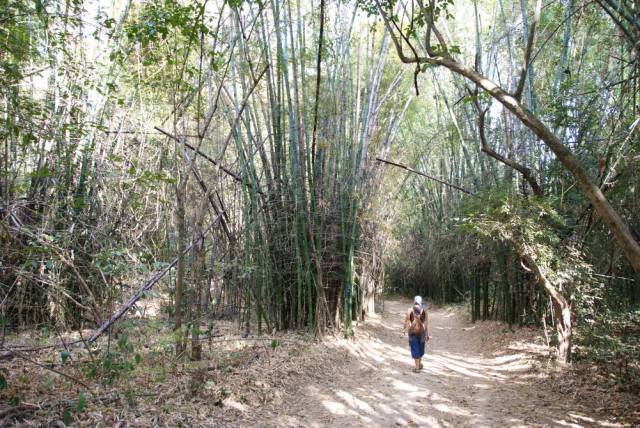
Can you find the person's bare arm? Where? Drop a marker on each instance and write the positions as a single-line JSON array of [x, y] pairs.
[[426, 325], [407, 321]]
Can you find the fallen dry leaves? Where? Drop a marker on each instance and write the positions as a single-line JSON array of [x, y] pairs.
[[264, 379]]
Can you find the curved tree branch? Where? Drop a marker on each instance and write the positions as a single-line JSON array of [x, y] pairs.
[[630, 247], [526, 172]]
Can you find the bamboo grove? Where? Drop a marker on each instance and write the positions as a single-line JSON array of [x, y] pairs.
[[240, 158], [232, 138]]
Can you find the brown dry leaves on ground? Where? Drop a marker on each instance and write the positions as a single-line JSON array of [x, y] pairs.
[[475, 375], [479, 374], [144, 385]]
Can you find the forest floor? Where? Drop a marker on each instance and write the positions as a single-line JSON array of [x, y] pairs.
[[480, 374]]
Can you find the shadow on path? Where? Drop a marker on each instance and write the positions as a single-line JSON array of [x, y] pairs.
[[459, 386]]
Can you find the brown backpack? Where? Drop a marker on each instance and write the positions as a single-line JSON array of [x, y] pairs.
[[417, 317]]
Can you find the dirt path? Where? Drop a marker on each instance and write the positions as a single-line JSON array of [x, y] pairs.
[[461, 384]]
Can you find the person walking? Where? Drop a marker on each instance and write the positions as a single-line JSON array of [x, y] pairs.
[[416, 323]]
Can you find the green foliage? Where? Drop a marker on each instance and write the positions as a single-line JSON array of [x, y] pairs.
[[82, 402], [114, 364], [49, 383], [235, 3], [608, 333], [160, 376], [445, 51], [159, 19], [507, 215], [370, 7], [534, 226], [16, 44], [440, 8], [131, 397], [66, 416]]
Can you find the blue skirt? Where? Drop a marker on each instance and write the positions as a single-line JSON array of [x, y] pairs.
[[416, 343]]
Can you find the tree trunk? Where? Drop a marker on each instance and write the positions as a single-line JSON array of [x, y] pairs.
[[180, 225], [198, 281], [564, 330], [561, 305]]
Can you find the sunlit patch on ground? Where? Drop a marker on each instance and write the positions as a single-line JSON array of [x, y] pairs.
[[474, 375], [481, 375]]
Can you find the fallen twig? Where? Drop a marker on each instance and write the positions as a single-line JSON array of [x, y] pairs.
[[71, 378], [147, 285]]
